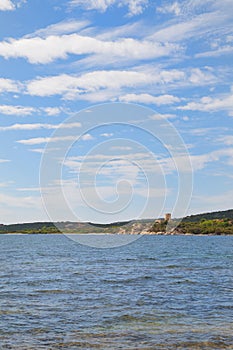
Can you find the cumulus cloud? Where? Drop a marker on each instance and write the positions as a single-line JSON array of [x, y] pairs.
[[6, 5], [8, 85], [71, 86], [102, 85], [51, 111], [46, 50]]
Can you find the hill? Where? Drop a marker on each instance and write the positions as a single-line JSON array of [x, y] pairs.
[[217, 215], [219, 222]]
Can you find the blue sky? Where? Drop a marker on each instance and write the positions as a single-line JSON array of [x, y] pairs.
[[151, 66]]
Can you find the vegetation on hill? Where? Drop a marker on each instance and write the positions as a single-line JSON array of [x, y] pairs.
[[215, 226], [218, 223], [226, 214], [34, 227]]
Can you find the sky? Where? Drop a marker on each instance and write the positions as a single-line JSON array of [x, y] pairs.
[[115, 110]]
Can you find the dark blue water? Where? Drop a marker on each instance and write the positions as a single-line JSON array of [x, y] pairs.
[[160, 292]]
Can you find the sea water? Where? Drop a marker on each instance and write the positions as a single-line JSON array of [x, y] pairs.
[[159, 292]]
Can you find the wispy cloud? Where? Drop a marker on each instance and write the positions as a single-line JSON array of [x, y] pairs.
[[16, 110], [227, 140], [223, 50], [107, 134], [173, 8], [55, 139], [159, 116], [25, 110], [42, 140], [211, 104], [149, 99], [64, 27], [135, 7], [38, 126], [20, 202]]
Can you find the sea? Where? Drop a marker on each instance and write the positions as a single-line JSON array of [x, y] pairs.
[[158, 292]]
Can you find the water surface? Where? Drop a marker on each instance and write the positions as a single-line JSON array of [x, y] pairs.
[[159, 292]]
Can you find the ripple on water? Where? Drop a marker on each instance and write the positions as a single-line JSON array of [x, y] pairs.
[[157, 293]]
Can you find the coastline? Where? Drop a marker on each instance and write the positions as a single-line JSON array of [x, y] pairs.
[[115, 234]]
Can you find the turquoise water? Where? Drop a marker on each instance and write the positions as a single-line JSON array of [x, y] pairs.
[[159, 292]]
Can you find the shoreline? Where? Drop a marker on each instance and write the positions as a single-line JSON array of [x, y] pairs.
[[114, 234]]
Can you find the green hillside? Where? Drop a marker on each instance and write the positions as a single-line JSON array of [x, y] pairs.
[[220, 222], [227, 214]]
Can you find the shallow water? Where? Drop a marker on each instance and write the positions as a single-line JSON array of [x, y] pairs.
[[159, 292]]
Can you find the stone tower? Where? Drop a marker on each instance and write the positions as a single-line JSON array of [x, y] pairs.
[[167, 216]]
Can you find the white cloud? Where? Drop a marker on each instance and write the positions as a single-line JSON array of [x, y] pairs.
[[25, 110], [64, 27], [223, 50], [197, 26], [20, 202], [8, 85], [121, 148], [16, 110], [42, 140], [38, 126], [43, 150], [210, 104], [198, 162], [158, 116], [4, 160], [174, 8], [106, 134], [201, 77], [107, 84], [6, 5], [135, 7], [71, 86], [102, 85], [46, 50], [149, 99], [51, 111], [227, 140], [87, 137]]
